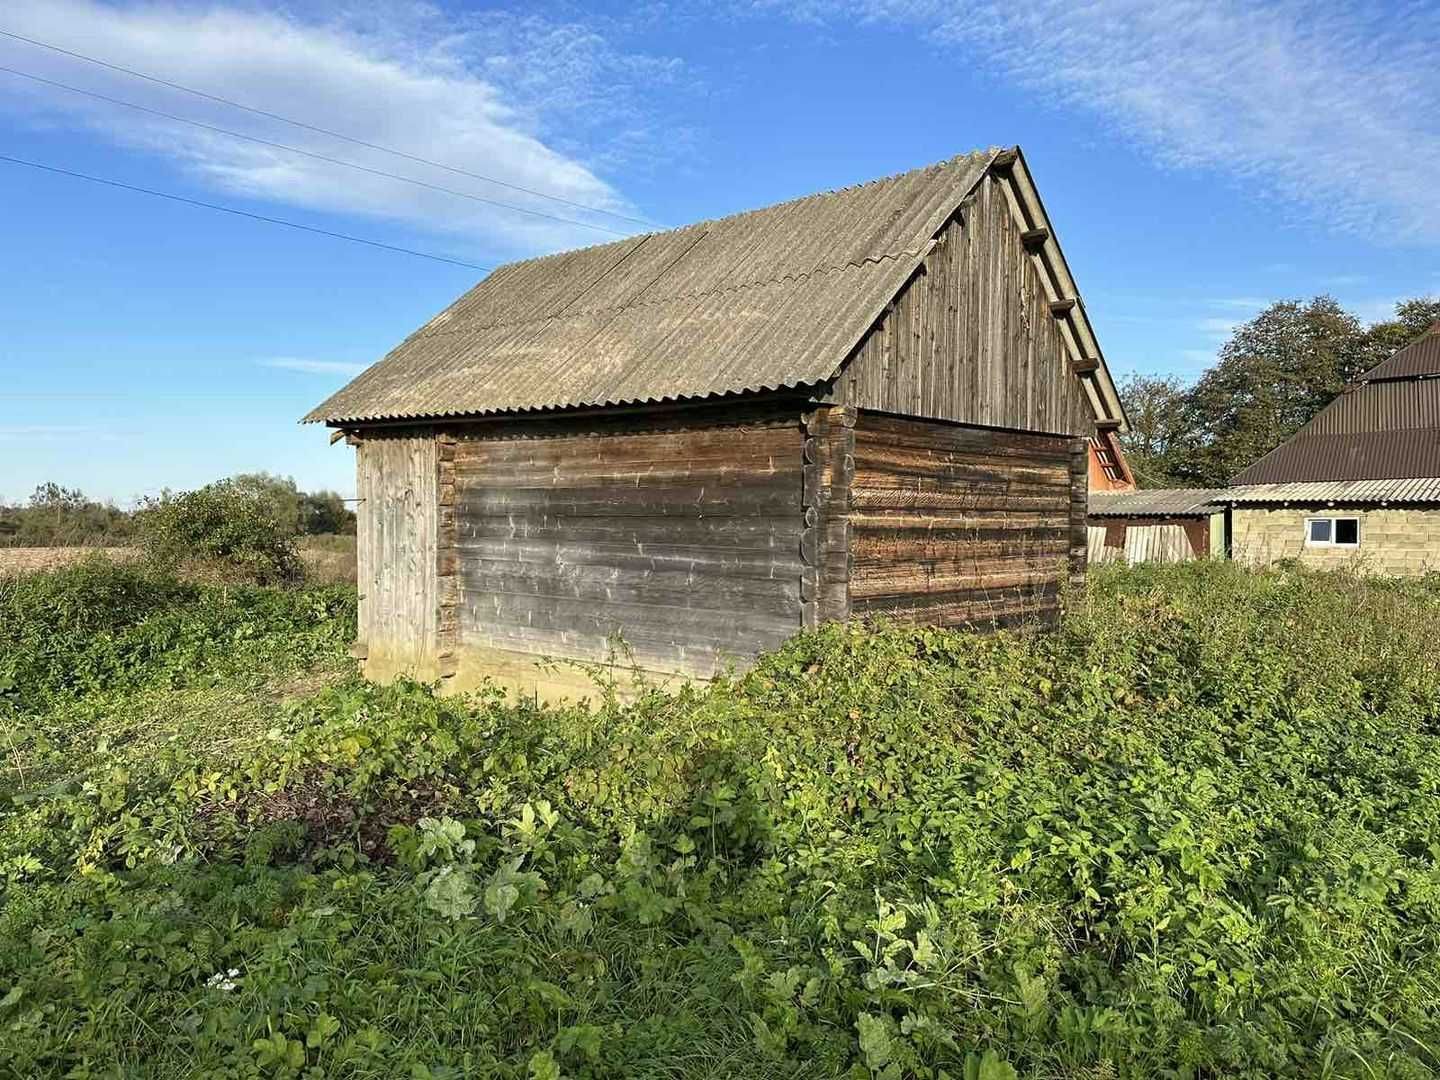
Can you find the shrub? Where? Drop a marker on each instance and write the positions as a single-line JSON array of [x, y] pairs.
[[231, 525], [1193, 832]]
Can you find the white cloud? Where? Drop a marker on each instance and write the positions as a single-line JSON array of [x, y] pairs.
[[313, 367], [397, 75], [1329, 107]]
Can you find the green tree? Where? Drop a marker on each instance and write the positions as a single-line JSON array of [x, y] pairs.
[[278, 495], [323, 513], [1275, 373], [233, 526], [1412, 319], [1156, 407]]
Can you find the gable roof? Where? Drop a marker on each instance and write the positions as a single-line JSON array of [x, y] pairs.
[[770, 299], [1384, 427]]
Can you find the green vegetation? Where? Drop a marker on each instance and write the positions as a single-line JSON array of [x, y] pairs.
[[1194, 832], [230, 525], [1274, 373], [57, 516]]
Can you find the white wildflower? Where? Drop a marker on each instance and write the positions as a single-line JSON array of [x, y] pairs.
[[223, 980]]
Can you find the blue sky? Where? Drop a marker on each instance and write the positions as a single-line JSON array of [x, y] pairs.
[[1198, 159]]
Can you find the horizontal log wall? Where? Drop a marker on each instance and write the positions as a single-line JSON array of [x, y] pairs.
[[681, 535], [956, 526], [972, 337]]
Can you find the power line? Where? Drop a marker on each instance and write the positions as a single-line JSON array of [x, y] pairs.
[[318, 130], [239, 213], [306, 153]]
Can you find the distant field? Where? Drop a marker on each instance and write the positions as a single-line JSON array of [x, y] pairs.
[[23, 559], [327, 558]]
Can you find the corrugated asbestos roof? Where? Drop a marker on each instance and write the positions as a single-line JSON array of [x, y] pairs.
[[1412, 490], [767, 300], [764, 300], [1161, 502], [1385, 427]]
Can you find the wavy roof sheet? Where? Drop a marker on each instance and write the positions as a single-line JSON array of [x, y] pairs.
[[1420, 357], [765, 300], [1412, 490], [1160, 502], [1384, 427]]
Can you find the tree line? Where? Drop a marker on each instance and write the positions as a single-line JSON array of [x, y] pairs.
[[57, 516], [1273, 374]]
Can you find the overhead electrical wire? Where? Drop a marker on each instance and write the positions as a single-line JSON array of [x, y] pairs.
[[306, 153], [239, 213], [318, 130]]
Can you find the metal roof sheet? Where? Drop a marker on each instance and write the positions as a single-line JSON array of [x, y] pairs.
[[1160, 502], [1420, 357], [1386, 426], [1413, 490]]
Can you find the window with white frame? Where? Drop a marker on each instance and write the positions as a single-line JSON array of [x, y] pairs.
[[1332, 532]]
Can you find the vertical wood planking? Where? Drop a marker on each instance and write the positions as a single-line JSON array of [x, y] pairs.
[[396, 551], [971, 337]]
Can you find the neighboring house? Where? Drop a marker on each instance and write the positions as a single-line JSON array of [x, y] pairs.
[[874, 401], [1359, 485], [1164, 525]]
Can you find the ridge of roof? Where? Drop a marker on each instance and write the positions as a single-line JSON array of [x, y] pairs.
[[783, 204]]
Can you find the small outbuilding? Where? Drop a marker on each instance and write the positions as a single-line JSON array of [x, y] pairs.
[[877, 400], [1359, 485], [1161, 525]]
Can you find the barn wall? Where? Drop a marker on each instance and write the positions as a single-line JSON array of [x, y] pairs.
[[954, 525], [396, 543], [682, 535], [971, 338]]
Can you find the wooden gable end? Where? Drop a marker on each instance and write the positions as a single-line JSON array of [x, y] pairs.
[[974, 336]]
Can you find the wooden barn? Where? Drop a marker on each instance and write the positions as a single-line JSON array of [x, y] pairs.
[[877, 400]]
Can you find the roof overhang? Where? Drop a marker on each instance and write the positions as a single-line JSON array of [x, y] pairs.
[[1086, 358]]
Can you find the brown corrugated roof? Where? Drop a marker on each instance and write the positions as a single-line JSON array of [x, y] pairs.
[[1361, 455], [766, 300], [1420, 357], [1160, 502], [1385, 427]]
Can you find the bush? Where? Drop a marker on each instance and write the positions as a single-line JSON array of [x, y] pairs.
[[1194, 832], [62, 517], [231, 525]]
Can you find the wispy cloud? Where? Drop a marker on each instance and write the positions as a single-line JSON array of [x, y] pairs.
[[1330, 107], [461, 90], [313, 367]]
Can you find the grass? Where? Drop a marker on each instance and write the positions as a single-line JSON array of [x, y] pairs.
[[1193, 832]]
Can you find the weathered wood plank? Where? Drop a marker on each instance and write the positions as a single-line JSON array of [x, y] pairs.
[[971, 338], [686, 540]]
